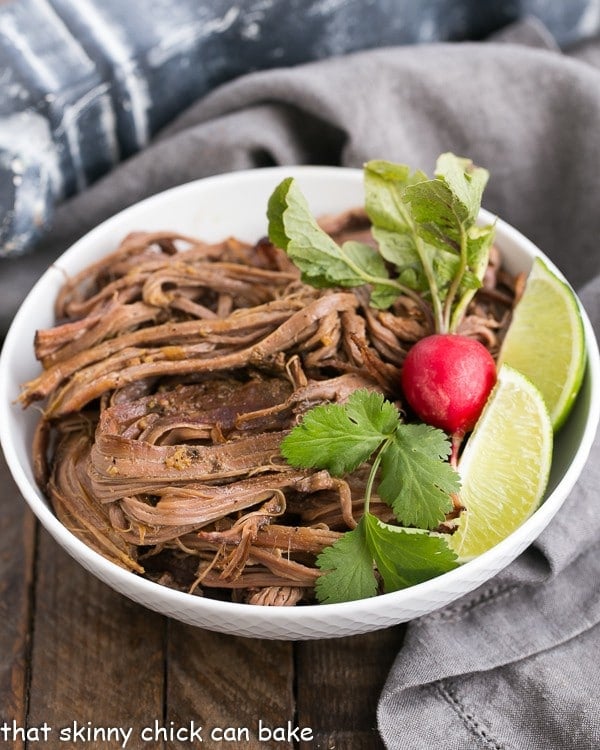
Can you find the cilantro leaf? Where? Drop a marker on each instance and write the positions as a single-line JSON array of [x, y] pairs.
[[339, 437], [405, 557], [416, 479], [371, 408], [349, 569], [416, 482]]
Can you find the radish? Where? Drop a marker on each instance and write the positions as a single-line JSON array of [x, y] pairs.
[[446, 379]]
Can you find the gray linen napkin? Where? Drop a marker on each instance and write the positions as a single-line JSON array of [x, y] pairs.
[[511, 666], [514, 665]]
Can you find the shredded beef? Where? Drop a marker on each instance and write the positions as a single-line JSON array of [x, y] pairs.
[[174, 372]]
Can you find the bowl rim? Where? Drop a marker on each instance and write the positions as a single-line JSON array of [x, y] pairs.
[[109, 571]]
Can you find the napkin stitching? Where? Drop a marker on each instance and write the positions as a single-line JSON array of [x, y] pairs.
[[490, 594], [447, 690]]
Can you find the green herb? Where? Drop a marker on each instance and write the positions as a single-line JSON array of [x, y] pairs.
[[341, 437], [349, 569], [430, 247], [321, 260], [445, 210], [415, 479], [403, 557], [425, 229]]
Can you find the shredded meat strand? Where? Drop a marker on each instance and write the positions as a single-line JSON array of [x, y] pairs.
[[175, 369]]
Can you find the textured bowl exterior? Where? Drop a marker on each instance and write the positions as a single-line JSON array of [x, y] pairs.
[[235, 204]]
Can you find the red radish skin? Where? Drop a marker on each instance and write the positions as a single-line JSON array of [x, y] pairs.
[[446, 379]]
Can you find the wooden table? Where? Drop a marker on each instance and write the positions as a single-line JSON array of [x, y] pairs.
[[72, 650]]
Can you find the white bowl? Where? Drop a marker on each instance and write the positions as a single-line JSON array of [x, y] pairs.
[[235, 204]]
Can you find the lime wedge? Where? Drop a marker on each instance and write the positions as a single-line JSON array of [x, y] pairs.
[[505, 465], [545, 340]]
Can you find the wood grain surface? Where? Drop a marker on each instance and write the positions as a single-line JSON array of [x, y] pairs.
[[17, 552], [80, 658]]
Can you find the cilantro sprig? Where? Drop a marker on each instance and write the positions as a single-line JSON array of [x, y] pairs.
[[415, 479], [429, 242], [403, 557]]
